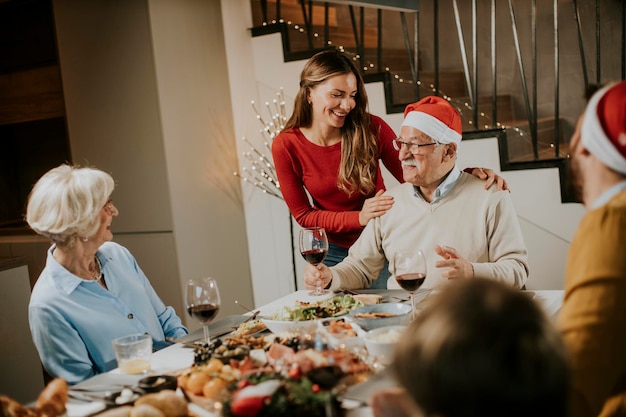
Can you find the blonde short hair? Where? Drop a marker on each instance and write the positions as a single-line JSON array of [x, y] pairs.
[[66, 201]]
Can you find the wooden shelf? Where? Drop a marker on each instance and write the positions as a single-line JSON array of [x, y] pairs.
[[30, 95]]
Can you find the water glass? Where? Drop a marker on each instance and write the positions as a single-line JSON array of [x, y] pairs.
[[133, 353]]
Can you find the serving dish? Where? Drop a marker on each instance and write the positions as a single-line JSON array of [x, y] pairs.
[[290, 327], [373, 316]]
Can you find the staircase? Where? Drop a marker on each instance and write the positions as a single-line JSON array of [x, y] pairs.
[[533, 131]]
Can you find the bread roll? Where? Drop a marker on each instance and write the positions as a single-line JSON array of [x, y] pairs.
[[146, 410], [167, 401], [11, 408], [51, 402], [123, 411]]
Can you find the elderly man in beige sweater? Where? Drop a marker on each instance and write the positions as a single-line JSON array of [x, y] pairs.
[[463, 231]]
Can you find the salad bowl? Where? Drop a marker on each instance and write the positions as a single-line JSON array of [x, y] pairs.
[[305, 317]]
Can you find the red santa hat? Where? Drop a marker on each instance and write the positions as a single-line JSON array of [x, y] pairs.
[[603, 130], [435, 117]]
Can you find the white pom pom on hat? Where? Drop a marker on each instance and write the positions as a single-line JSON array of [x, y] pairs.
[[603, 130]]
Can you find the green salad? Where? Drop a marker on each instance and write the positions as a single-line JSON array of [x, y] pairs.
[[330, 307]]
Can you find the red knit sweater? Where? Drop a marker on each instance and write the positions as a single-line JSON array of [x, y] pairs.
[[302, 167]]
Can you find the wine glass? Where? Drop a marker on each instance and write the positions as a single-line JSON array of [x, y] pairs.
[[202, 300], [314, 247], [327, 377], [410, 272]]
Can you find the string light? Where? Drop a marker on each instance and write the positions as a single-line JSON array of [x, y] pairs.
[[461, 107]]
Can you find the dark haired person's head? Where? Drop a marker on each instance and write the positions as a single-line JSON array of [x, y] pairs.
[[482, 348]]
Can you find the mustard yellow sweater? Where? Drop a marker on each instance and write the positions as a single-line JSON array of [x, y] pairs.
[[593, 318]]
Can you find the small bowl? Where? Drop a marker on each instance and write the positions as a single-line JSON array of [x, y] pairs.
[[381, 342], [348, 339], [401, 315], [157, 383]]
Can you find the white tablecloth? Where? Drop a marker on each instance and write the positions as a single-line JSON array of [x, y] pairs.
[[178, 356]]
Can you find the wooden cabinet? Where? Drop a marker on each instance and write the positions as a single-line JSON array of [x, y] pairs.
[[33, 132]]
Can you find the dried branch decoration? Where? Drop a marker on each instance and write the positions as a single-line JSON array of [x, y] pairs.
[[260, 170]]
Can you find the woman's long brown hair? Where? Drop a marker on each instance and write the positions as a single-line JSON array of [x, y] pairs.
[[359, 149]]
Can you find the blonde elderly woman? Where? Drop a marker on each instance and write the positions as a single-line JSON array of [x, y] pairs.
[[91, 290]]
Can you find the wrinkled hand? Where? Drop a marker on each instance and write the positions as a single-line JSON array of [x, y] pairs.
[[491, 177], [457, 266], [375, 207], [315, 273], [392, 402]]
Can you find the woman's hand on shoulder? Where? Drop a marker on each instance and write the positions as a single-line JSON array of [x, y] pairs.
[[490, 178], [375, 207]]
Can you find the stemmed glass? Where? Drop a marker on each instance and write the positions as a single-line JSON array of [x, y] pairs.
[[410, 272], [313, 248], [327, 377], [202, 300]]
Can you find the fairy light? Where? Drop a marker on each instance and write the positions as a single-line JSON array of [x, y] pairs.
[[462, 107]]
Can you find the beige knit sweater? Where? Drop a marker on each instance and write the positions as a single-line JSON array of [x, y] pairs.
[[481, 225]]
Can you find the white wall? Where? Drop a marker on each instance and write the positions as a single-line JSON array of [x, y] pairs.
[[194, 99], [547, 224], [267, 218], [113, 119], [257, 70]]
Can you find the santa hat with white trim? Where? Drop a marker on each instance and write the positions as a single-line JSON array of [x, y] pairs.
[[603, 130], [436, 117]]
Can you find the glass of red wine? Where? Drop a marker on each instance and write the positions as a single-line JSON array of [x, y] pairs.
[[410, 272], [202, 300], [314, 247]]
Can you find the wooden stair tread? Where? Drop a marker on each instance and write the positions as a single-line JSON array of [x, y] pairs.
[[291, 11]]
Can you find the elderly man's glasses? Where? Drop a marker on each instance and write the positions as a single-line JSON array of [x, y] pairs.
[[413, 147]]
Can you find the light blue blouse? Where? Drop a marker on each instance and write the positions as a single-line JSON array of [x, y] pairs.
[[73, 321]]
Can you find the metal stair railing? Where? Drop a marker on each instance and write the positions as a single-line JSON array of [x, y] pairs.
[[522, 20]]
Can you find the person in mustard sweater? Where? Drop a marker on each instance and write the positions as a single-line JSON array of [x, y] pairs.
[[592, 320], [464, 231]]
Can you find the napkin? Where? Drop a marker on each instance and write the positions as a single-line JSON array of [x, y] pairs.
[[84, 409]]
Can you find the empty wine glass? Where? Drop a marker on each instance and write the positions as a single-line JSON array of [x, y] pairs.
[[202, 300], [410, 272], [313, 248]]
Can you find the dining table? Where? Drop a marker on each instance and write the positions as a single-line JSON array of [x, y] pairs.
[[179, 356]]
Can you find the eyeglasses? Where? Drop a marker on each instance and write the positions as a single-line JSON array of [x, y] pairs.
[[109, 207], [414, 148]]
